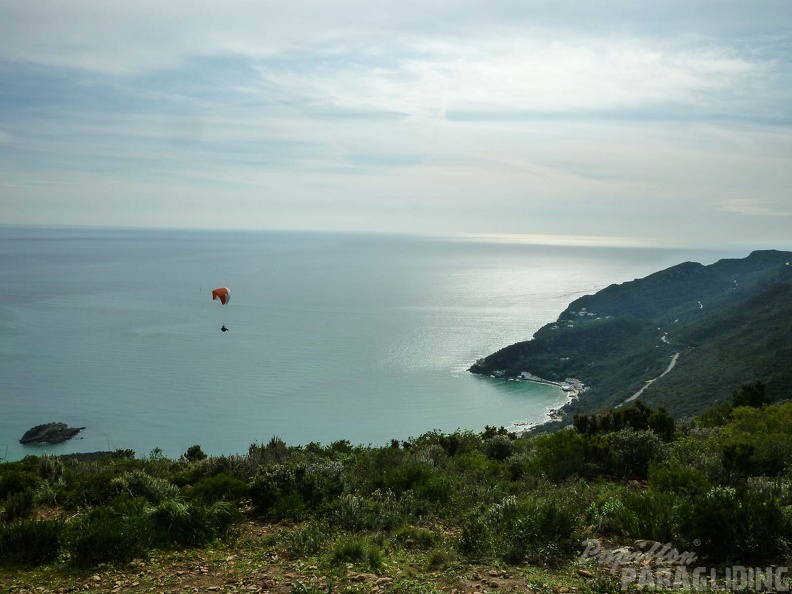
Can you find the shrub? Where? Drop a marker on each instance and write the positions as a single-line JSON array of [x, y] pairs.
[[139, 484], [274, 494], [606, 516], [358, 550], [308, 539], [560, 454], [404, 476], [753, 395], [758, 441], [262, 456], [194, 454], [88, 485], [187, 524], [19, 505], [289, 491], [437, 489], [219, 488], [15, 481], [475, 541], [632, 451], [498, 447], [512, 530], [662, 424], [539, 527], [742, 527], [106, 535], [416, 538], [678, 478], [31, 542], [238, 467], [50, 467], [382, 510], [653, 515]]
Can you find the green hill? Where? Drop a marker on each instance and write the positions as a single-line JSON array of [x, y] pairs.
[[728, 322]]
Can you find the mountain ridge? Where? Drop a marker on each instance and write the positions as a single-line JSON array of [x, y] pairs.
[[729, 322]]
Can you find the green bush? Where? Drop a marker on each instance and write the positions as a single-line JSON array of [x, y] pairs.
[[31, 542], [50, 467], [747, 526], [561, 454], [436, 488], [14, 481], [306, 540], [498, 447], [19, 505], [408, 474], [475, 542], [274, 495], [140, 484], [539, 527], [382, 510], [757, 440], [262, 456], [357, 550], [412, 537], [753, 395], [289, 491], [513, 530], [107, 535], [678, 478], [632, 451], [606, 516], [87, 485], [653, 515], [187, 524], [194, 454], [221, 487]]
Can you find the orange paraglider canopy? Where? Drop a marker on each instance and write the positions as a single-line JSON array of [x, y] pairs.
[[223, 294]]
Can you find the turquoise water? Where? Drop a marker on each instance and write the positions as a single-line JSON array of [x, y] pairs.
[[332, 336]]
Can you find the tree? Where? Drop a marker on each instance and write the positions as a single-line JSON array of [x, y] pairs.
[[754, 395]]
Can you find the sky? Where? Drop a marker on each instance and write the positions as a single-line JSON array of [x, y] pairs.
[[618, 122]]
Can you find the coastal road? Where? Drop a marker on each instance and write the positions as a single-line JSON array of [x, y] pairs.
[[674, 358]]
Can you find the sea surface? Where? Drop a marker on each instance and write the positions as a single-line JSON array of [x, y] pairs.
[[331, 336]]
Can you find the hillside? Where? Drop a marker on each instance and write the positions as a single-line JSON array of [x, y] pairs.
[[729, 323], [586, 509]]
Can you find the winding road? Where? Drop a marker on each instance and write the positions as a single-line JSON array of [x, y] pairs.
[[674, 358]]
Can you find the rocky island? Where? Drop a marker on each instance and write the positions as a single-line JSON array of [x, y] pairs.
[[49, 433]]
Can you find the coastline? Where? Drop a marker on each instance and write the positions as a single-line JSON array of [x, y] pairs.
[[572, 387]]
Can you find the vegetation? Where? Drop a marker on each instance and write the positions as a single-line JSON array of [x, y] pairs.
[[728, 322], [719, 485]]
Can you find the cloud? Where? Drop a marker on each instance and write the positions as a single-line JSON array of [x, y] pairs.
[[519, 116], [753, 207], [115, 37]]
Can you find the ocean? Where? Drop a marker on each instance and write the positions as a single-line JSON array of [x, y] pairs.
[[331, 336]]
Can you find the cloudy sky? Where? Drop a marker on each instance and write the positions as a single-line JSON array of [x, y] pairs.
[[667, 121]]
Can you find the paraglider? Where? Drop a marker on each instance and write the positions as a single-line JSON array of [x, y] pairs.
[[224, 295]]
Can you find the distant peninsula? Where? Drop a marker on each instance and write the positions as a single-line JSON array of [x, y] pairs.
[[683, 338], [49, 433]]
